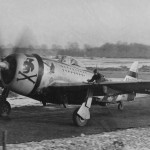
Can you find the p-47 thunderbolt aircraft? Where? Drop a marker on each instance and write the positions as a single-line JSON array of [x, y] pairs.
[[63, 81]]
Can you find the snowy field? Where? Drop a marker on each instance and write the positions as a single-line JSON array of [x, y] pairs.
[[113, 62], [23, 101], [130, 139]]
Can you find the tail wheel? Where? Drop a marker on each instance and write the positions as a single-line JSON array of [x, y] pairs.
[[77, 120], [5, 108], [120, 106]]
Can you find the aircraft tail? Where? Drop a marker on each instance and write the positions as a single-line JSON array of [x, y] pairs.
[[132, 76], [133, 72]]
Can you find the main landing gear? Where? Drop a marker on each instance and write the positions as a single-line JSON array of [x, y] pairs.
[[43, 102], [78, 120], [5, 107], [81, 115]]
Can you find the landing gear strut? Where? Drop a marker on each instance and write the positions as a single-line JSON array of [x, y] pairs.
[[5, 107], [43, 102]]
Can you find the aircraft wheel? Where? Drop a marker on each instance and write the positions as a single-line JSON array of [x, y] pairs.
[[120, 106], [5, 108], [77, 120]]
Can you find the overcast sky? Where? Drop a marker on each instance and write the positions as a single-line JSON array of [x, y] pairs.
[[92, 22]]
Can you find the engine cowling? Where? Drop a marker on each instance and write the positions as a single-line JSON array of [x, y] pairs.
[[23, 74]]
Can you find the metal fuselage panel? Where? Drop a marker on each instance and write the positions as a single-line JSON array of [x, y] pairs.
[[55, 72], [35, 77]]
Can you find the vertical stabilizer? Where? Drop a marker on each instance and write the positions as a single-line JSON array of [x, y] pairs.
[[133, 72], [132, 76]]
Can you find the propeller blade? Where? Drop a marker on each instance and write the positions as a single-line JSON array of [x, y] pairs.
[[26, 42]]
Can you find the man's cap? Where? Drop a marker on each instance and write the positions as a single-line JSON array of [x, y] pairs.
[[95, 70]]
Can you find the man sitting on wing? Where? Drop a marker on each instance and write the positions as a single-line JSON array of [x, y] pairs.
[[97, 77]]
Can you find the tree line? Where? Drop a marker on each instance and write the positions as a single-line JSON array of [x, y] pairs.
[[109, 50], [118, 50]]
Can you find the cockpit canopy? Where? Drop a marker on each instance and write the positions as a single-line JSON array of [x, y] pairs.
[[70, 61]]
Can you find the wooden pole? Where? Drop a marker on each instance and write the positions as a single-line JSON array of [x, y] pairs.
[[4, 139]]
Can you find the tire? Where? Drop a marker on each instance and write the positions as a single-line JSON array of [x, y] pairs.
[[77, 120], [5, 108], [120, 106]]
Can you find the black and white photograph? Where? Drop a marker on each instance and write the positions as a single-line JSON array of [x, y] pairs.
[[74, 75]]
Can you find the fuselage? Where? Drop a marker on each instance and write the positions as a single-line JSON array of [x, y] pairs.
[[57, 72], [42, 79], [33, 76]]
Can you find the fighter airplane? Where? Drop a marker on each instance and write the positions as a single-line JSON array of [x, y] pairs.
[[63, 81]]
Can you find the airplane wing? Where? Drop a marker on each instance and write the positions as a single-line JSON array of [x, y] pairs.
[[129, 86], [122, 87]]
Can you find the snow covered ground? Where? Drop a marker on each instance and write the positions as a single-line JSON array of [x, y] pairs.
[[112, 62], [23, 101], [130, 139]]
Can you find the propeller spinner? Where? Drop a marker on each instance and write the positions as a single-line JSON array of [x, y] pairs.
[[4, 65]]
